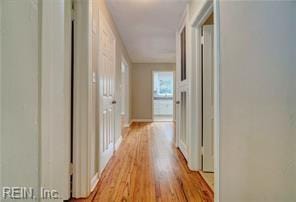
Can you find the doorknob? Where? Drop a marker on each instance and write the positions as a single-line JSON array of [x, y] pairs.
[[178, 102], [113, 102]]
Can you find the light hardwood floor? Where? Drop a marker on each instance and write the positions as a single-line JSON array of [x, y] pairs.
[[148, 167]]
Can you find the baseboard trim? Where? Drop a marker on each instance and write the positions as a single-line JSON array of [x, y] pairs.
[[205, 182], [192, 167], [127, 125], [142, 120], [94, 181], [118, 142]]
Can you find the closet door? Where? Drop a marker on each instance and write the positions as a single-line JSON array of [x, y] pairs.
[[107, 89]]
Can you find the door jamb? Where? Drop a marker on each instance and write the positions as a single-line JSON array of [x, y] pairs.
[[197, 30]]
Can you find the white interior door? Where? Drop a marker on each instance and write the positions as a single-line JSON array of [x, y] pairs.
[[208, 98], [107, 89], [182, 95]]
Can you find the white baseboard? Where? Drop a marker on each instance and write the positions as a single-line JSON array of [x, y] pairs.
[[94, 181], [192, 167], [127, 125], [142, 120], [118, 142]]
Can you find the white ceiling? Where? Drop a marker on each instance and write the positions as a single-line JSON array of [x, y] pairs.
[[148, 27]]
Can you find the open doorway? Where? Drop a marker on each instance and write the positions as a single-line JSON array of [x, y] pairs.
[[124, 95], [207, 97], [207, 55], [163, 96], [205, 83]]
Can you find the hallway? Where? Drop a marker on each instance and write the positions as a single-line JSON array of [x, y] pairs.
[[79, 104], [148, 167]]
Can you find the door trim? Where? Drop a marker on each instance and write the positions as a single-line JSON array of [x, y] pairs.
[[55, 79]]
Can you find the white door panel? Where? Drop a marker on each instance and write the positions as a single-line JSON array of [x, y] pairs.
[[182, 121], [178, 111], [106, 88], [208, 99], [182, 96]]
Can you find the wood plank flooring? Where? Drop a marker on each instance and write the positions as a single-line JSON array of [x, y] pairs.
[[148, 167]]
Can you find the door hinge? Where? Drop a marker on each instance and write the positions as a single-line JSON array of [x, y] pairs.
[[202, 40], [71, 170], [202, 150]]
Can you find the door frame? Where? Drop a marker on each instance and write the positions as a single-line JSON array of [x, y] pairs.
[[198, 19], [82, 94], [174, 94], [207, 164], [82, 117]]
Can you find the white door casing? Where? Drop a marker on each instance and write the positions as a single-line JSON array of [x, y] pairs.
[[107, 44], [208, 98], [55, 97]]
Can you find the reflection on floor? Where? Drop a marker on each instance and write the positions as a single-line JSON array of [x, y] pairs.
[[209, 178], [148, 167]]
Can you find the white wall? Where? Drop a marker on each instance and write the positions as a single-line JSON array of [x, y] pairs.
[[20, 93], [258, 101]]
